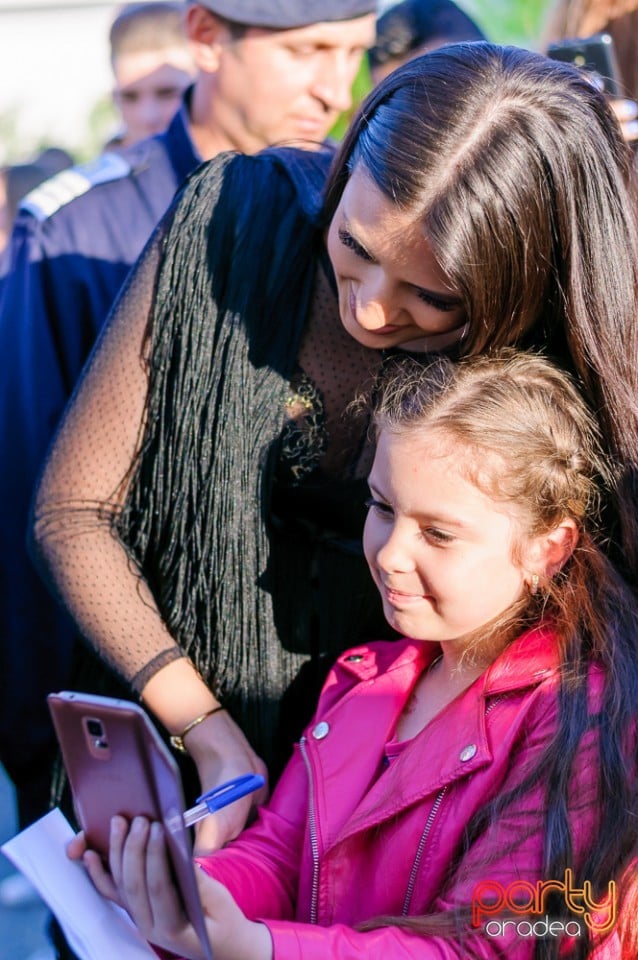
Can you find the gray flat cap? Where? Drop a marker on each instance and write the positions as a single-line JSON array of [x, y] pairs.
[[283, 14]]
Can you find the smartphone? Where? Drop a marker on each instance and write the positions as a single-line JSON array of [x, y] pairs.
[[117, 763], [594, 54]]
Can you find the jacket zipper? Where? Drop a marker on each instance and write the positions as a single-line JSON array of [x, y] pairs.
[[419, 853], [497, 699], [428, 826], [314, 843]]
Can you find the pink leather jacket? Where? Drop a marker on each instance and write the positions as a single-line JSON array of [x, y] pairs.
[[346, 837]]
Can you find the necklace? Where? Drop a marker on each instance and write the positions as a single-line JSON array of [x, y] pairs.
[[434, 663], [414, 696]]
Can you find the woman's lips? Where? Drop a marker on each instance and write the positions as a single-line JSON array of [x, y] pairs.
[[384, 331]]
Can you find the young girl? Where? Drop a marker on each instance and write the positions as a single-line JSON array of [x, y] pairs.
[[470, 789]]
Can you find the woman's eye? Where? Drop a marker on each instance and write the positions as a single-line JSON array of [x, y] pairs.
[[349, 241], [383, 509], [443, 305]]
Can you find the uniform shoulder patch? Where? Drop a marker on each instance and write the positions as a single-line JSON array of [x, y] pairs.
[[55, 193]]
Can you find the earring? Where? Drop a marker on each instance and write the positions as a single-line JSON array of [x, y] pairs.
[[533, 587]]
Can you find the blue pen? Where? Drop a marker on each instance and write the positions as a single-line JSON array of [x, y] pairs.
[[223, 795]]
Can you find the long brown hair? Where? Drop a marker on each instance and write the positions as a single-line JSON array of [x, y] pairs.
[[517, 169]]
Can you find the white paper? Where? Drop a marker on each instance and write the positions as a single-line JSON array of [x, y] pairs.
[[95, 928]]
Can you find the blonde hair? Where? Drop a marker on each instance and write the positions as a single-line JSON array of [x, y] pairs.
[[516, 406]]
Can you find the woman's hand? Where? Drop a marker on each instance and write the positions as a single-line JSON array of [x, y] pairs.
[[221, 752], [140, 881], [176, 695]]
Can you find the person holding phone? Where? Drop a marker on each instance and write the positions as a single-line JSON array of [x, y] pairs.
[[456, 786], [201, 510], [582, 19]]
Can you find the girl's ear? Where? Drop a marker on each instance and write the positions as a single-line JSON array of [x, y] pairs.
[[548, 553]]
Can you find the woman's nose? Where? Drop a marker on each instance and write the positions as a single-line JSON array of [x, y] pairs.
[[375, 306]]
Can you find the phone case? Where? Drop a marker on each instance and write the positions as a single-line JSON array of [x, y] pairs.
[[596, 55], [118, 764]]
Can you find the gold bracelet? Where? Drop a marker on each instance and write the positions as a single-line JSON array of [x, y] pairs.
[[177, 739]]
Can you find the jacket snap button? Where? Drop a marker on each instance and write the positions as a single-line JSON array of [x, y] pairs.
[[468, 752], [321, 730], [354, 658]]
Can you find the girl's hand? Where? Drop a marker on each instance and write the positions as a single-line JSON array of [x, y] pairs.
[[77, 849], [140, 881], [231, 934]]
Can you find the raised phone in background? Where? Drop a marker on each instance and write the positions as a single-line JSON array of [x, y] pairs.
[[594, 54]]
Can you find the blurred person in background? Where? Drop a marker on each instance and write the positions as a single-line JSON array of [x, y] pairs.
[[16, 180], [267, 73], [152, 67], [413, 27]]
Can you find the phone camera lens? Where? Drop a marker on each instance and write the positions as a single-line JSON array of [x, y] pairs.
[[95, 728]]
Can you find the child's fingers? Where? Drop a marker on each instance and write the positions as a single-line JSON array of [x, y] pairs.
[[100, 877], [76, 847], [118, 833], [165, 904], [129, 859]]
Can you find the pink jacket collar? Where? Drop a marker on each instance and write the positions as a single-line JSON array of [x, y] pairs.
[[525, 662]]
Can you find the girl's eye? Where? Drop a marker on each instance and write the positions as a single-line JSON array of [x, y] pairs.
[[437, 536], [349, 241], [442, 305], [383, 509]]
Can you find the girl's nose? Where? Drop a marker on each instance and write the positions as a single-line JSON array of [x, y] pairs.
[[393, 554]]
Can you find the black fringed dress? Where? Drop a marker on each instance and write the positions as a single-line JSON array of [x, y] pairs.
[[211, 461]]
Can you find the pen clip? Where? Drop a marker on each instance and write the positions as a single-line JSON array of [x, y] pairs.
[[230, 791]]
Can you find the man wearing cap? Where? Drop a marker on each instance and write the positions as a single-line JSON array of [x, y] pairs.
[[268, 72]]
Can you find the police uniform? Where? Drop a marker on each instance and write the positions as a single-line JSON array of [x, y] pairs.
[[74, 241]]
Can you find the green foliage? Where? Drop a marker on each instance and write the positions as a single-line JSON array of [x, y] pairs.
[[9, 136], [361, 86], [510, 21]]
